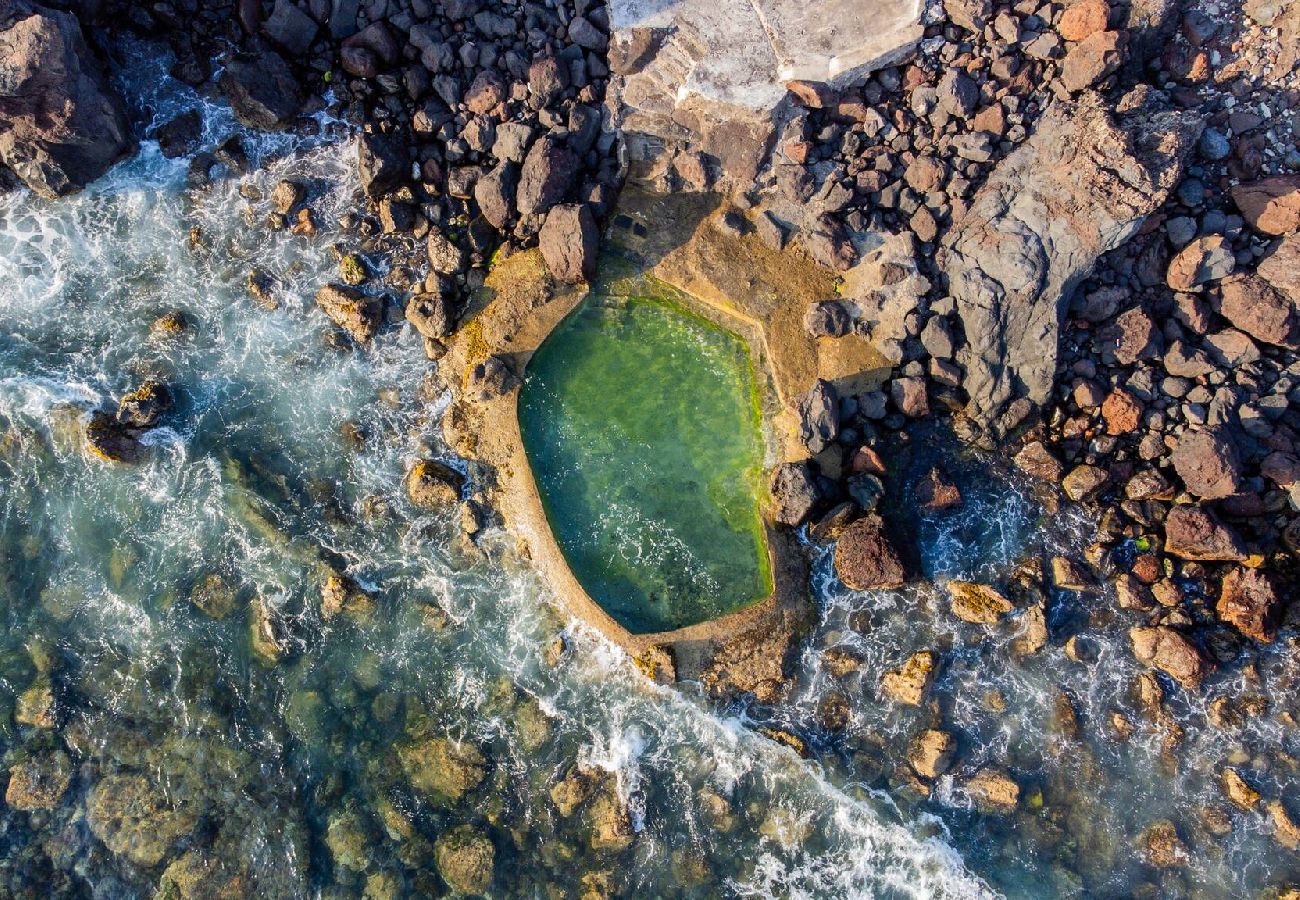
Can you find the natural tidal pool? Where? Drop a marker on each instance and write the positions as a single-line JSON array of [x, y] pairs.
[[641, 425]]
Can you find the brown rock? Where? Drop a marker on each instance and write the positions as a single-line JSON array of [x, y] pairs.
[[39, 782], [909, 396], [936, 491], [1162, 847], [1263, 312], [1083, 483], [933, 753], [351, 310], [1170, 652], [1133, 336], [1036, 461], [908, 685], [865, 559], [569, 241], [1202, 261], [993, 788], [1083, 19], [1249, 602], [432, 484], [978, 604], [1207, 462], [1237, 790], [1271, 205], [1122, 412], [1092, 59], [1285, 830]]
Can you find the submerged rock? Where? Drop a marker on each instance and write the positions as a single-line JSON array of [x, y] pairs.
[[112, 441], [39, 781], [340, 595], [63, 125], [136, 818], [442, 768], [1162, 846], [465, 859], [213, 596]]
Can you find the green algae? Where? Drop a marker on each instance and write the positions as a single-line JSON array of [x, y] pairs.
[[641, 424]]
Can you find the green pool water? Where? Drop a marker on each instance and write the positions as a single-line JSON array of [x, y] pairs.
[[641, 424]]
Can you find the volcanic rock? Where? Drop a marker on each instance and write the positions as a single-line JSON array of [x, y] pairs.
[[61, 124], [1170, 652], [1249, 602], [865, 559], [262, 90], [351, 310], [1193, 532], [1272, 205], [1206, 460], [569, 242]]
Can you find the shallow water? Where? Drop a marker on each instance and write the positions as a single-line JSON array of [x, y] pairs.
[[302, 770], [641, 427]]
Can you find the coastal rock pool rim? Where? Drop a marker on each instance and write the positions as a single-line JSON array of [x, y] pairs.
[[510, 319]]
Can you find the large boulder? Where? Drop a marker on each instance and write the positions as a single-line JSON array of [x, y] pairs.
[[569, 241], [262, 90], [1249, 602], [465, 859], [1079, 187], [61, 124], [351, 310], [1193, 532], [1206, 460], [865, 559], [1271, 205], [1171, 652], [548, 172]]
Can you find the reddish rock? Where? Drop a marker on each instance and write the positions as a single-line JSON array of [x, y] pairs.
[[1281, 268], [812, 94], [936, 491], [865, 459], [1122, 412], [1092, 59], [909, 396], [1170, 652], [1249, 602], [1193, 532], [1201, 262], [1083, 19], [1263, 312], [1207, 462], [1271, 205], [865, 559], [1036, 461], [485, 92]]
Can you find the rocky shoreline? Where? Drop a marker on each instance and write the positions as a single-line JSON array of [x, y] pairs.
[[1069, 229]]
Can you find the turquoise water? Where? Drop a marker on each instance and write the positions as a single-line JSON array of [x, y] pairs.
[[640, 424]]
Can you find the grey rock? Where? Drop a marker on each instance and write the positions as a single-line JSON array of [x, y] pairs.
[[383, 162], [290, 27], [1079, 187], [819, 417], [794, 493], [548, 173]]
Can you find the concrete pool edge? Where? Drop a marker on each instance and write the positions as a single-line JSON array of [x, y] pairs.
[[745, 650]]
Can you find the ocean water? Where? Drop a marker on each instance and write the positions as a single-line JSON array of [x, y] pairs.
[[197, 725]]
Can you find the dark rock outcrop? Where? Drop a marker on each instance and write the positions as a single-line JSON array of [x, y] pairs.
[[1080, 186], [61, 124], [865, 559], [262, 90]]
